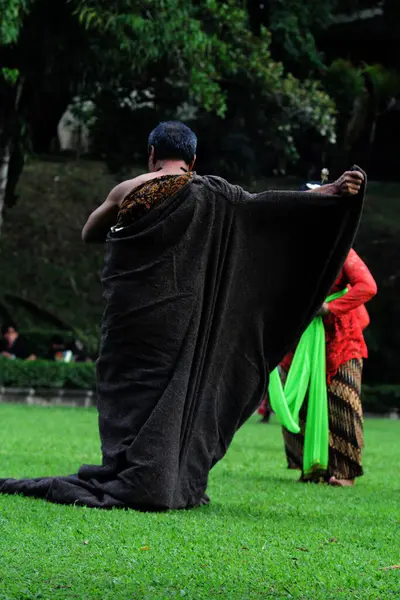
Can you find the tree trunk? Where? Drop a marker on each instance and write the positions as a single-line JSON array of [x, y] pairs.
[[5, 154], [15, 168], [9, 129]]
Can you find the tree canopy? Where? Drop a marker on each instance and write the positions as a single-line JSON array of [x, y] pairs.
[[199, 52], [250, 75]]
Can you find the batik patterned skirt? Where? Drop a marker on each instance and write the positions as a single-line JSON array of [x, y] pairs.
[[346, 439]]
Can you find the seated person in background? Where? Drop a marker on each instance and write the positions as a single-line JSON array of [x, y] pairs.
[[61, 351], [78, 350], [58, 350], [15, 345]]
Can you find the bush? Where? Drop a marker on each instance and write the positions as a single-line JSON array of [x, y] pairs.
[[344, 83], [381, 399], [47, 374]]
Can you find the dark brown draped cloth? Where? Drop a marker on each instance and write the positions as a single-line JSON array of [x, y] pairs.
[[204, 296]]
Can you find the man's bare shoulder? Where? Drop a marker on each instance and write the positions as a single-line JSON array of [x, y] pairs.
[[120, 191]]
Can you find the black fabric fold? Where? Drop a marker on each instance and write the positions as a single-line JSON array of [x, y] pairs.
[[204, 296]]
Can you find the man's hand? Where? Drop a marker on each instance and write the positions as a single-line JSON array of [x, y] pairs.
[[349, 183]]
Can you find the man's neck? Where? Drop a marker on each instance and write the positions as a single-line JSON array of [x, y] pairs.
[[171, 167]]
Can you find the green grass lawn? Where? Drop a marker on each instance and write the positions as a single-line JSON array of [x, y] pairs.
[[262, 536]]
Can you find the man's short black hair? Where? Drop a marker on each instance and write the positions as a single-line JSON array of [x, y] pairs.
[[173, 140]]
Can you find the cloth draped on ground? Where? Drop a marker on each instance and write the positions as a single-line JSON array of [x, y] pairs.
[[346, 439], [198, 311]]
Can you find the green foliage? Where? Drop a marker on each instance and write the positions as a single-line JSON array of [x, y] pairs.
[[293, 24], [386, 83], [247, 60], [362, 95], [47, 374], [11, 17], [10, 76], [139, 39], [200, 52], [263, 537], [233, 85], [344, 83]]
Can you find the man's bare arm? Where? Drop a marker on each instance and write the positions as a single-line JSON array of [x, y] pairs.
[[100, 222], [105, 216]]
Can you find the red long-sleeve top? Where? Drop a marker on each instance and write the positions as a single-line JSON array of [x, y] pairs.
[[347, 316]]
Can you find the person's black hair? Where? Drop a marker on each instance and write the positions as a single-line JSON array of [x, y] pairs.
[[57, 339], [173, 140], [6, 326]]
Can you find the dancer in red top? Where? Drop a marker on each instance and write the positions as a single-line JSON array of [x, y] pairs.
[[344, 320]]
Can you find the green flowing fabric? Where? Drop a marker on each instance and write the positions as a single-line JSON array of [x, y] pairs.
[[307, 373]]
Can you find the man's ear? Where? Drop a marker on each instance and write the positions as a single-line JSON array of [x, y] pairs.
[[152, 161]]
